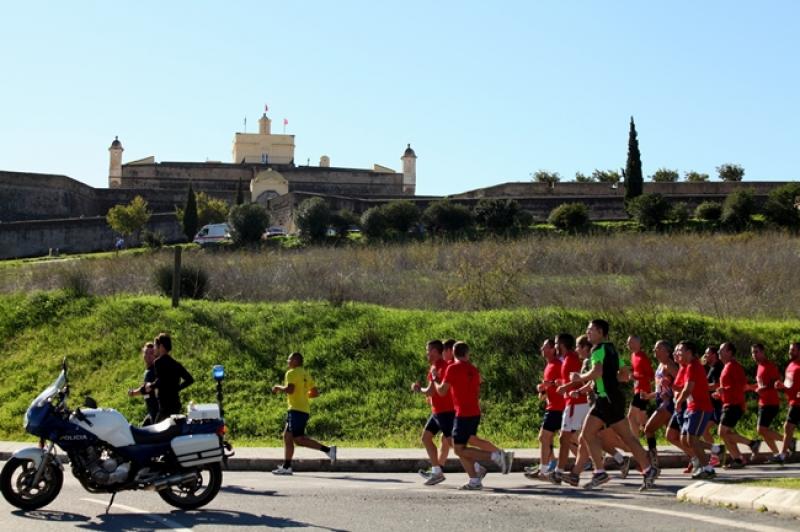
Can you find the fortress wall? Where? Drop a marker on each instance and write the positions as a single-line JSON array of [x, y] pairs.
[[28, 196], [73, 235]]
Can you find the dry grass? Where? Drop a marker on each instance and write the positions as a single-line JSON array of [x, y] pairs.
[[741, 275]]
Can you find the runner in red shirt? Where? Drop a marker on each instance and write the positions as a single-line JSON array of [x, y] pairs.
[[554, 409], [769, 402], [463, 381], [441, 418], [791, 387], [731, 390], [576, 403], [643, 376], [698, 409]]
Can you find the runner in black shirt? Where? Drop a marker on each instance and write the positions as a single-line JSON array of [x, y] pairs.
[[150, 400], [171, 378]]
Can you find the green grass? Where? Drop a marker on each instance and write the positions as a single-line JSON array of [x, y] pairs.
[[785, 483], [363, 357]]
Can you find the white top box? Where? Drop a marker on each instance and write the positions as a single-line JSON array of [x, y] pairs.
[[203, 411]]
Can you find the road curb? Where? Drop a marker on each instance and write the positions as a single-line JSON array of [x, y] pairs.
[[758, 498]]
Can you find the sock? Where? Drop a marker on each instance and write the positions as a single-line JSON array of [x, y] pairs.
[[474, 480], [708, 468], [436, 470], [618, 458], [324, 449], [477, 467], [715, 449], [782, 456], [598, 471], [495, 455], [552, 464], [559, 470], [651, 443], [696, 462], [287, 464]]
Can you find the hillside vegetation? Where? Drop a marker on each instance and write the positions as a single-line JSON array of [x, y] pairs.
[[363, 357]]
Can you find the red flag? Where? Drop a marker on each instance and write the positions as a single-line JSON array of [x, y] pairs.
[[285, 122]]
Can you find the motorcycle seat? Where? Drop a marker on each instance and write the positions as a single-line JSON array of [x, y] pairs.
[[159, 432]]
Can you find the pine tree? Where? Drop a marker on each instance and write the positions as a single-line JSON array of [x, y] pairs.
[[239, 193], [190, 215], [633, 168]]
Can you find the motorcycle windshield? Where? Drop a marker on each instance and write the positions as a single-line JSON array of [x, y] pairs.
[[50, 391]]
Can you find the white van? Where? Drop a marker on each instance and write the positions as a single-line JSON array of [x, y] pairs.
[[213, 234]]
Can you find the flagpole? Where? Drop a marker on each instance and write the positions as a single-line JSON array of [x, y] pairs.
[[245, 124]]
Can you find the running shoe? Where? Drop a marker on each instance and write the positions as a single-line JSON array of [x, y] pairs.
[[282, 471], [775, 459], [469, 486], [702, 474], [736, 463], [598, 479], [589, 466], [434, 479], [625, 466], [425, 473], [332, 454], [754, 446], [481, 471], [689, 468], [714, 461], [573, 479], [508, 458], [532, 473], [554, 477], [649, 478]]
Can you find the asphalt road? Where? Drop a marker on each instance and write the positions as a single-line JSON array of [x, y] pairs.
[[358, 501]]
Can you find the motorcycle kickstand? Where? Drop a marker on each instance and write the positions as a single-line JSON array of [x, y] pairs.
[[113, 494]]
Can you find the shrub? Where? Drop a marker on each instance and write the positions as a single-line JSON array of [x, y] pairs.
[[665, 175], [650, 210], [248, 223], [711, 211], [193, 282], [695, 177], [75, 282], [780, 207], [340, 221], [401, 215], [679, 213], [571, 217], [312, 218], [730, 172], [447, 218], [498, 216], [738, 209], [543, 176], [374, 224], [152, 239]]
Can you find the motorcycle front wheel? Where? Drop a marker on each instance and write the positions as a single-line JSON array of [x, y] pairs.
[[16, 483], [196, 492]]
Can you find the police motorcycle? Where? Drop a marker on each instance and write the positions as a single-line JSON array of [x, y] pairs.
[[180, 458]]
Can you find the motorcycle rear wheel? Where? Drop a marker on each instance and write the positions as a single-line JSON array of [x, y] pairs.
[[16, 476], [196, 492]]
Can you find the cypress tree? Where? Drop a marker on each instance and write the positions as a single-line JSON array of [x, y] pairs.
[[239, 193], [633, 168], [190, 215]]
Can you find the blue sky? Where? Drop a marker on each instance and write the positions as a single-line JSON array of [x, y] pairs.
[[484, 92]]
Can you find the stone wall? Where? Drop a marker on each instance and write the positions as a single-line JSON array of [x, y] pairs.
[[73, 235], [29, 196]]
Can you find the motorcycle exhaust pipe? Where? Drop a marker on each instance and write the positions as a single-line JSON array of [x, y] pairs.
[[171, 480]]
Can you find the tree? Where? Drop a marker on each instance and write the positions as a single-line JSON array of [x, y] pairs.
[[374, 224], [730, 172], [650, 210], [695, 177], [210, 210], [447, 218], [248, 223], [312, 218], [612, 177], [633, 168], [129, 219], [543, 176], [401, 215], [679, 213], [239, 193], [781, 206], [498, 216], [570, 217], [710, 211], [664, 175], [583, 178], [189, 221], [738, 209]]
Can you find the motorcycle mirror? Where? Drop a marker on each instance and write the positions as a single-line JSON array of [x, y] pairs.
[[89, 402], [218, 372]]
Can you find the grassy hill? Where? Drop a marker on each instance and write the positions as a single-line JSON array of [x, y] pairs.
[[363, 357]]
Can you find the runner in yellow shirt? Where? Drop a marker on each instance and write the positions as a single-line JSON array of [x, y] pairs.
[[298, 387]]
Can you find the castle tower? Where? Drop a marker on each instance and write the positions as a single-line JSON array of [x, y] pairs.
[[264, 125], [115, 164], [409, 159]]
